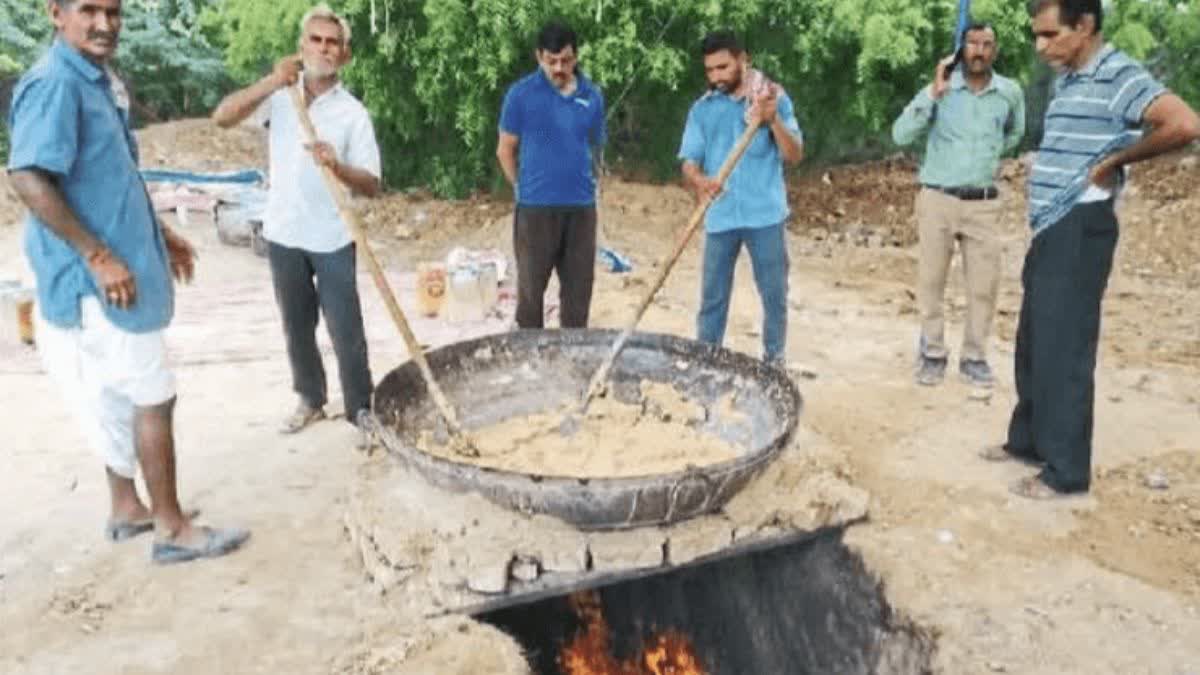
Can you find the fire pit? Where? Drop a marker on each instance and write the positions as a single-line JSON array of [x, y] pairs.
[[499, 377], [804, 606]]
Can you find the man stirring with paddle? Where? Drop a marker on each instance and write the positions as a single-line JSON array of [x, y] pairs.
[[308, 241], [752, 208]]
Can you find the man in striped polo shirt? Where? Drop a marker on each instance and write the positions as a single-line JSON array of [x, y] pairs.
[[1102, 100]]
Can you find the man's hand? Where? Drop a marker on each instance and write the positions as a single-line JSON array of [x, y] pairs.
[[287, 70], [764, 106], [941, 78], [706, 188], [112, 277], [181, 254], [323, 154], [1104, 174]]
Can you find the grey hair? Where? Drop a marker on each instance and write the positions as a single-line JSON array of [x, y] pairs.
[[324, 12]]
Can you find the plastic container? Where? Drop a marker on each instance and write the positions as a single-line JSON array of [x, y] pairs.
[[464, 300], [431, 288], [16, 313]]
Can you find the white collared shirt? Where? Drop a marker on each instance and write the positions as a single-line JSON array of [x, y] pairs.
[[300, 211]]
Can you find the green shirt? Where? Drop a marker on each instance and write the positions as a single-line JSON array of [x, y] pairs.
[[967, 131]]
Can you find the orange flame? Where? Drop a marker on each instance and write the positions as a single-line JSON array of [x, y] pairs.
[[589, 653]]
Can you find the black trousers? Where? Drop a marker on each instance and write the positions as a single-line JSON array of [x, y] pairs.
[[302, 302], [560, 240], [1065, 274]]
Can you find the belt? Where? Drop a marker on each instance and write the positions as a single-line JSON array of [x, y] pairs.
[[968, 193]]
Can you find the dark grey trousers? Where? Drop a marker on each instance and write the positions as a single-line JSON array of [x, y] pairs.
[[560, 240], [301, 303], [1066, 272]]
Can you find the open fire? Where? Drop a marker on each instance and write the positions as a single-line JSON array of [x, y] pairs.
[[803, 606], [590, 652]]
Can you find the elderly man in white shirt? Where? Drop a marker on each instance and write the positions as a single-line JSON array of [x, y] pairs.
[[311, 252]]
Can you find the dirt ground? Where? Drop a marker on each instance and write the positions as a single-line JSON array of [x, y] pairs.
[[1108, 583]]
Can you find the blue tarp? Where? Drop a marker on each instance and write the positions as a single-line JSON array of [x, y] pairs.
[[244, 176]]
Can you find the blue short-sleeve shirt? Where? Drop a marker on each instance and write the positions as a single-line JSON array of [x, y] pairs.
[[754, 194], [67, 121], [556, 136]]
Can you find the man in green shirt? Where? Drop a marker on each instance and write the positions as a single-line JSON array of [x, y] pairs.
[[971, 116]]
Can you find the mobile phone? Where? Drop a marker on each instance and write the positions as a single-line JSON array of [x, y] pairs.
[[949, 69]]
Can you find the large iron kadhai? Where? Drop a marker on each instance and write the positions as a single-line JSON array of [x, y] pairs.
[[498, 377]]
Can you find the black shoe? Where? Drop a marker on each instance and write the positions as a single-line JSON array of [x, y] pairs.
[[977, 372], [930, 371]]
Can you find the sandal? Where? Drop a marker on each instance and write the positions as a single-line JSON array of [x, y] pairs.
[[999, 453], [120, 530], [215, 543], [1033, 487], [302, 417]]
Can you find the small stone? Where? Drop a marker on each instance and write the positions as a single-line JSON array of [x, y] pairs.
[[525, 569], [997, 667], [635, 549], [491, 579], [1157, 480], [945, 537], [404, 232]]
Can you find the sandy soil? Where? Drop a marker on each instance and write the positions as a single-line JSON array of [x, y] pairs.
[[1108, 583], [663, 420]]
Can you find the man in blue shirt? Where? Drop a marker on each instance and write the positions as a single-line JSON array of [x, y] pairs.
[[971, 116], [551, 123], [103, 266], [752, 209], [1107, 112]]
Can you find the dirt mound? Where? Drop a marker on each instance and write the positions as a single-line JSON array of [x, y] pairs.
[[199, 145]]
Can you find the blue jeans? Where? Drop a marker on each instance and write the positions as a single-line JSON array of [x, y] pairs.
[[769, 258]]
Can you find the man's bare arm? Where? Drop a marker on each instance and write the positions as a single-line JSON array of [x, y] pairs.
[[506, 154], [38, 192], [790, 147], [702, 185], [41, 196], [1173, 124], [239, 105]]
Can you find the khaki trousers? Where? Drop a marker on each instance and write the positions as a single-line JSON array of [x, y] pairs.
[[943, 220]]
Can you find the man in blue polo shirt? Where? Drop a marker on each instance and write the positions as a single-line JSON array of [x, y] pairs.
[[752, 208], [103, 266], [1094, 128], [551, 123]]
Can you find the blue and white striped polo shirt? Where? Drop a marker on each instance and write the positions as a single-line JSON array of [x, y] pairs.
[[1096, 111]]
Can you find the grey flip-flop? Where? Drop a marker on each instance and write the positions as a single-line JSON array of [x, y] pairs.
[[120, 531], [217, 542]]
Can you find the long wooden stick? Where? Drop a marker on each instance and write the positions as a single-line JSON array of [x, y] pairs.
[[389, 298], [597, 383]]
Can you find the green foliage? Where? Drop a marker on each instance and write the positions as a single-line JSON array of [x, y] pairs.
[[166, 60], [433, 72]]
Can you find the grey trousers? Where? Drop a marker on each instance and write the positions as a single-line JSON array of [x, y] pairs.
[[301, 303], [1058, 333], [561, 240]]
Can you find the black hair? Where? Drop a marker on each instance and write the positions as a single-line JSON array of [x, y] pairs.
[[721, 40], [973, 25], [1071, 12], [556, 36]]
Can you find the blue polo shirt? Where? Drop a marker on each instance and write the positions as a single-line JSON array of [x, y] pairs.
[[66, 121], [557, 133], [754, 195]]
